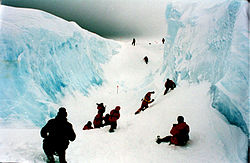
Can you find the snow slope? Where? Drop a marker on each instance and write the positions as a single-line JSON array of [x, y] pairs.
[[212, 138], [67, 75]]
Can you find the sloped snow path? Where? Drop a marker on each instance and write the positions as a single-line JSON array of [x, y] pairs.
[[212, 138]]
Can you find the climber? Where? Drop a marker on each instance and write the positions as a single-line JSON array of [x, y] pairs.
[[145, 59], [169, 84], [147, 100]]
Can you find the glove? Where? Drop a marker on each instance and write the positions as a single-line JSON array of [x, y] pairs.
[[153, 100]]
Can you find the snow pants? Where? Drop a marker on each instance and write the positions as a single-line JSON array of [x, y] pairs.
[[113, 126], [50, 150]]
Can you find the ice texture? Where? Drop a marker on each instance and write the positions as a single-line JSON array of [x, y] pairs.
[[42, 57], [209, 41]]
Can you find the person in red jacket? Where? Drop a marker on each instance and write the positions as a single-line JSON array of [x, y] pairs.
[[113, 117], [169, 84], [180, 133], [88, 126], [98, 120], [147, 100]]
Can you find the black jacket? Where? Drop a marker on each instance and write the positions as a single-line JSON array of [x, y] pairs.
[[57, 132]]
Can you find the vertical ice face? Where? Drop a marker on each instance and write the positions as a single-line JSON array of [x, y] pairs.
[[210, 41], [42, 58]]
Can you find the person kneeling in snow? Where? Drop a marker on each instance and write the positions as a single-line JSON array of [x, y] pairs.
[[57, 133], [113, 117], [88, 126], [147, 100], [180, 133]]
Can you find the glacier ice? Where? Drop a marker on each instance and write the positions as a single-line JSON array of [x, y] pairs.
[[210, 42], [41, 61]]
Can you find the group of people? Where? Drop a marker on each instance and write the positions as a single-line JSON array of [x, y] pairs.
[[169, 84], [58, 131], [180, 131], [133, 41], [108, 119], [146, 58]]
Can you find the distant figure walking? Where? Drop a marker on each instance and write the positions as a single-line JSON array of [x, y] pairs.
[[147, 100], [88, 126], [133, 42], [57, 133], [169, 84], [180, 133], [114, 116], [145, 59], [163, 40]]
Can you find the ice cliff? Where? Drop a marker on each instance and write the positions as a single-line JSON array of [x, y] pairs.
[[42, 58], [209, 41]]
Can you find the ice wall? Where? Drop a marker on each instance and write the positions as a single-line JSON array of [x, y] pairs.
[[42, 58], [209, 40]]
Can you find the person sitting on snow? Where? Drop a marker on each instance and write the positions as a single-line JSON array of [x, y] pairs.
[[169, 84], [88, 126], [98, 120], [113, 117], [180, 133], [147, 100], [57, 133]]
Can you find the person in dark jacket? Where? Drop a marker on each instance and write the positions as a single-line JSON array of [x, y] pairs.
[[147, 100], [88, 126], [163, 40], [114, 116], [180, 133], [169, 84], [145, 59], [133, 42], [57, 133], [98, 120]]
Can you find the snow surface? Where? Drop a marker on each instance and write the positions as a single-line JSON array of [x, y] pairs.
[[41, 71]]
